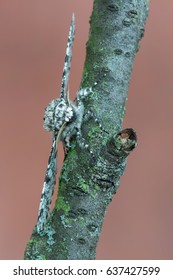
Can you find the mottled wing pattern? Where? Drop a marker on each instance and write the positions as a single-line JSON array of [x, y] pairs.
[[48, 187], [49, 183], [68, 56], [56, 115]]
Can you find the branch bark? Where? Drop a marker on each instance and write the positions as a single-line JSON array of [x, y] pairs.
[[90, 177]]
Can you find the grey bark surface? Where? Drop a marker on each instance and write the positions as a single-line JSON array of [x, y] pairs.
[[90, 177]]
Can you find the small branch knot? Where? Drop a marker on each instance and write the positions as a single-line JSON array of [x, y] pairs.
[[128, 139]]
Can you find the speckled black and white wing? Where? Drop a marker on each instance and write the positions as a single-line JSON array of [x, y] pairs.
[[63, 119], [57, 114], [67, 62], [48, 187]]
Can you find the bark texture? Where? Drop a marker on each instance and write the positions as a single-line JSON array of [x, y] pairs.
[[90, 177]]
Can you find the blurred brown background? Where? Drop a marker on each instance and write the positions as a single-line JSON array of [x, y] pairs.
[[33, 36]]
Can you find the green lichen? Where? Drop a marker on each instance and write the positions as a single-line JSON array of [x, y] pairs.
[[66, 221], [61, 204], [83, 185], [49, 231], [67, 170], [93, 131], [32, 252], [47, 234], [94, 192]]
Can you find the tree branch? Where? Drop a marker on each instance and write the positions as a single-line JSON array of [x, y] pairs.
[[90, 177]]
